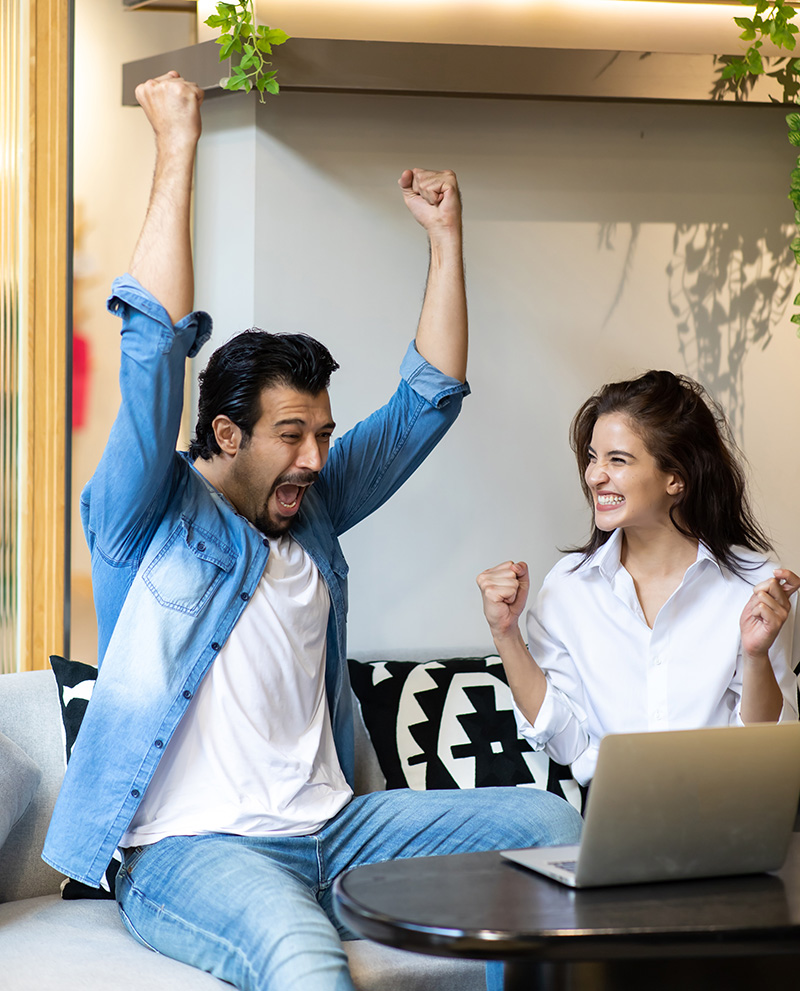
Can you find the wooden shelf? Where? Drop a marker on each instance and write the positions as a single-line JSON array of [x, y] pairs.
[[411, 68]]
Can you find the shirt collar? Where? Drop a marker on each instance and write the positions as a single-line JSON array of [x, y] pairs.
[[606, 558]]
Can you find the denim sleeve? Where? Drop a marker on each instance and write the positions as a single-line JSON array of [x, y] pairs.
[[133, 477], [370, 462]]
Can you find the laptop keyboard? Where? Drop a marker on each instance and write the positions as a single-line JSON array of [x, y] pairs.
[[565, 865]]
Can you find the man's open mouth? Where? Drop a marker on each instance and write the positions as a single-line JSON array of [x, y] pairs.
[[288, 496]]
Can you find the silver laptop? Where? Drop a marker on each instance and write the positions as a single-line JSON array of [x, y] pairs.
[[682, 804]]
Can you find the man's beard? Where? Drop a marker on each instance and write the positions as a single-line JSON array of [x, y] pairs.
[[273, 528]]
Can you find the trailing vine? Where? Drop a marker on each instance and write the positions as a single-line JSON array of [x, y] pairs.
[[771, 21], [241, 35]]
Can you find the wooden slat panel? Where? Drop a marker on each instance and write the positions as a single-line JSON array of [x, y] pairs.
[[10, 276], [45, 432]]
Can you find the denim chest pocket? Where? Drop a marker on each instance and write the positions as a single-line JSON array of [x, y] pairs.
[[188, 569]]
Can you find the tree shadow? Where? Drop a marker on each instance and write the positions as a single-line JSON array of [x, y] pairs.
[[727, 290]]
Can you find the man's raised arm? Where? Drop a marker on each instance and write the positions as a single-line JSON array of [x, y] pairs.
[[162, 259], [434, 201]]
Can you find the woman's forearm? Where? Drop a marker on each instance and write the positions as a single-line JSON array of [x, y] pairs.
[[762, 699], [525, 678]]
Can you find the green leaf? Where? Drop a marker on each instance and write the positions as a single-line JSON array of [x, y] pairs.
[[754, 63], [272, 87], [228, 44], [793, 120], [795, 245], [797, 300], [795, 318], [743, 22], [275, 36], [264, 46], [794, 138]]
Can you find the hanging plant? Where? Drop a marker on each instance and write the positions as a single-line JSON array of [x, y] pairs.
[[771, 21], [241, 35]]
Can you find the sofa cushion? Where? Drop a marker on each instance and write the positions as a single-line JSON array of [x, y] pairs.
[[75, 682], [29, 716], [46, 943], [19, 779], [449, 723]]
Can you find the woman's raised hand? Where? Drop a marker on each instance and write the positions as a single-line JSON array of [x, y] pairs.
[[766, 612], [505, 591]]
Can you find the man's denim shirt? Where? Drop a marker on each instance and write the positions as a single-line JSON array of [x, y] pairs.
[[174, 565]]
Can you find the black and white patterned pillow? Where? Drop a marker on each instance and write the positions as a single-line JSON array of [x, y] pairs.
[[75, 683], [450, 724]]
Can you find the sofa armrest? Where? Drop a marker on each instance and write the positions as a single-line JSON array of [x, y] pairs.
[[368, 776], [30, 715]]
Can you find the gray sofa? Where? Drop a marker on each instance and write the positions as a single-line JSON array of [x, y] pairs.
[[49, 943]]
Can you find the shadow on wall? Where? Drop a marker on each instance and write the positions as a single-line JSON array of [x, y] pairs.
[[727, 290]]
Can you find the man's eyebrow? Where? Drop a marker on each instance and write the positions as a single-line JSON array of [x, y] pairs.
[[298, 421]]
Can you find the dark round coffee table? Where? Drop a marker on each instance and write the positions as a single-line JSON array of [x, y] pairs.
[[480, 905]]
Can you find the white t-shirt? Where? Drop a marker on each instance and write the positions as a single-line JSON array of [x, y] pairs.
[[608, 672], [254, 754]]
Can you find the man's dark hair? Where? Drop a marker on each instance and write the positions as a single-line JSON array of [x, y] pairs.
[[687, 433], [238, 372]]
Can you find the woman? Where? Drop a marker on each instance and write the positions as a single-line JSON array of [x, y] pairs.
[[670, 616]]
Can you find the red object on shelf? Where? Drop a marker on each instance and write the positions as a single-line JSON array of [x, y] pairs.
[[80, 380]]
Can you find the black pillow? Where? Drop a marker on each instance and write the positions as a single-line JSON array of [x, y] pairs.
[[75, 683], [449, 724]]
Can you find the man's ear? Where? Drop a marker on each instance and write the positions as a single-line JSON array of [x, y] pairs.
[[229, 436]]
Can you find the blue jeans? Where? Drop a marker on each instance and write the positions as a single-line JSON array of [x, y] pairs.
[[257, 911]]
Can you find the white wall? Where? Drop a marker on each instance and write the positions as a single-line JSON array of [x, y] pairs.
[[113, 167], [555, 193]]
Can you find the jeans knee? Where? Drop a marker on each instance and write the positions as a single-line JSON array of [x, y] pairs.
[[539, 818]]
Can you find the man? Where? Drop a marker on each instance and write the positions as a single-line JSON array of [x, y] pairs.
[[218, 743]]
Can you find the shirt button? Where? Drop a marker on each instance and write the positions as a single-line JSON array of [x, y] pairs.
[[201, 546], [187, 694], [215, 645], [134, 793], [265, 542], [244, 596], [657, 661], [159, 744]]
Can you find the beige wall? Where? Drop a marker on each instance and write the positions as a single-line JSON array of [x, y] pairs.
[[585, 228], [113, 167], [578, 219]]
